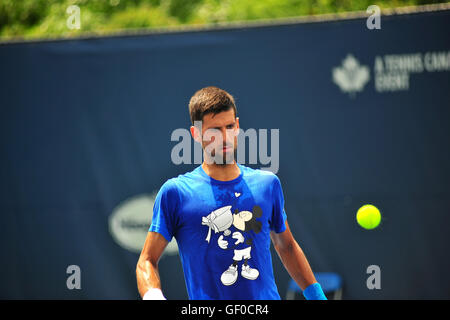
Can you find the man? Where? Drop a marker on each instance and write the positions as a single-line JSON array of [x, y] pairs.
[[223, 216]]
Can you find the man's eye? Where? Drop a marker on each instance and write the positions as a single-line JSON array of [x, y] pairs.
[[230, 126], [212, 131]]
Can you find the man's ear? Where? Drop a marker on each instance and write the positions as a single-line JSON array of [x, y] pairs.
[[237, 125], [196, 134]]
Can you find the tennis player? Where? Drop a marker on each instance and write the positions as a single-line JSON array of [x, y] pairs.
[[224, 216]]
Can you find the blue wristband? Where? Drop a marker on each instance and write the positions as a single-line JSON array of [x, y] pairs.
[[314, 292]]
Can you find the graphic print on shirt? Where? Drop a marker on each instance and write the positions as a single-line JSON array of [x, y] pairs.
[[220, 220]]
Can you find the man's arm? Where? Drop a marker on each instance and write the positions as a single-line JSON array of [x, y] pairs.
[[293, 258], [295, 262], [147, 274]]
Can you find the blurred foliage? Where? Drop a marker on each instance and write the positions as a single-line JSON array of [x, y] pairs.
[[48, 18]]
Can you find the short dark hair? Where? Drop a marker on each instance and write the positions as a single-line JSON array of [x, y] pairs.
[[210, 100]]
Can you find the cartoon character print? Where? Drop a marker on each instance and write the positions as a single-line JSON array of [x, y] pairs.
[[220, 220]]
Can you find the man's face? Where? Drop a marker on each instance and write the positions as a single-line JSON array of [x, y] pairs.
[[219, 136]]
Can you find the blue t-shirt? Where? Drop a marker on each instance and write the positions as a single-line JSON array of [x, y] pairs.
[[223, 231]]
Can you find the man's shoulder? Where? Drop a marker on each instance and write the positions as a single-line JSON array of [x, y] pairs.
[[186, 177], [259, 174], [169, 187], [194, 174], [190, 177]]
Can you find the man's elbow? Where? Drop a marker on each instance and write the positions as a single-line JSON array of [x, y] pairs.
[[146, 264], [285, 247], [142, 265], [139, 268]]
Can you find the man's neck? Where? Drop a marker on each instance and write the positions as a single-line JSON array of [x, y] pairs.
[[224, 172]]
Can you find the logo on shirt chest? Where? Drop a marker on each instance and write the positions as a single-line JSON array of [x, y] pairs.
[[220, 221]]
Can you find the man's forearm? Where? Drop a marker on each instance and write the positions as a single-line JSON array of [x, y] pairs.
[[295, 262], [147, 276]]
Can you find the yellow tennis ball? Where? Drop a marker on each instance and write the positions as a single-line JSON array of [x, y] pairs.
[[368, 216]]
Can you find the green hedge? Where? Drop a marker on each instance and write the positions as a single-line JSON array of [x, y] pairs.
[[47, 18]]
